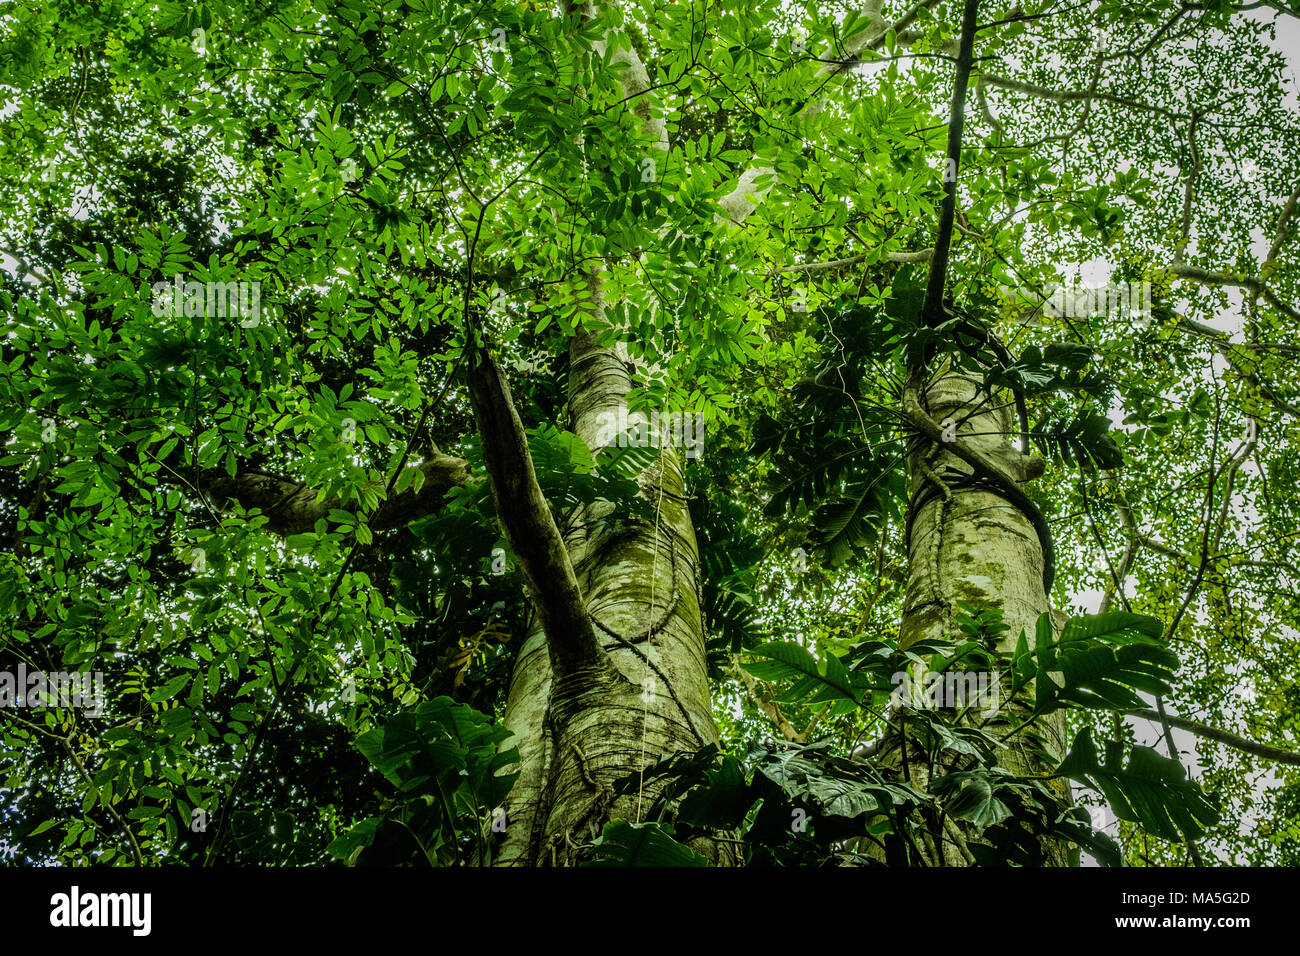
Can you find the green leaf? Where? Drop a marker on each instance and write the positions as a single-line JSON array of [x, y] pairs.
[[1150, 790], [361, 834], [169, 689], [1105, 661], [852, 520], [1117, 626], [785, 660], [442, 744], [973, 798], [642, 844]]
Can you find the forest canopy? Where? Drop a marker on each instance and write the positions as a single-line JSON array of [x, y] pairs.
[[630, 433]]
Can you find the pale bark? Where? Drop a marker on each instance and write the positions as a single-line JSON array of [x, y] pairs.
[[640, 579], [641, 584], [574, 653], [969, 542]]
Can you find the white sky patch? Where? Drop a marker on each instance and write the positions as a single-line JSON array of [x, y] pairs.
[[1088, 600], [1095, 272], [1288, 44]]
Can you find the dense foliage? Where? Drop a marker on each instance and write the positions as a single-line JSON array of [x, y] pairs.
[[392, 172]]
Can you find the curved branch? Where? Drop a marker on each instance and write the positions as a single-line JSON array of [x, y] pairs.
[[1074, 96], [293, 508], [1222, 736], [530, 528]]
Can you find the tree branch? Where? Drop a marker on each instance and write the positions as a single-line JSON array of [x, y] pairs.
[[292, 508], [530, 528], [932, 311], [1222, 736], [1073, 96], [1253, 283], [1279, 235]]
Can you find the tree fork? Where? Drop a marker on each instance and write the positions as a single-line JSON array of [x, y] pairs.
[[530, 530]]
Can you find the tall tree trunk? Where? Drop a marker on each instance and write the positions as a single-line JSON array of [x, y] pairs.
[[969, 542], [641, 582]]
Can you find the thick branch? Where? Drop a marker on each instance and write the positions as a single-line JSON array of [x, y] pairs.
[[1253, 283], [293, 509], [1073, 96], [1283, 219], [932, 311], [530, 528], [1222, 736]]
